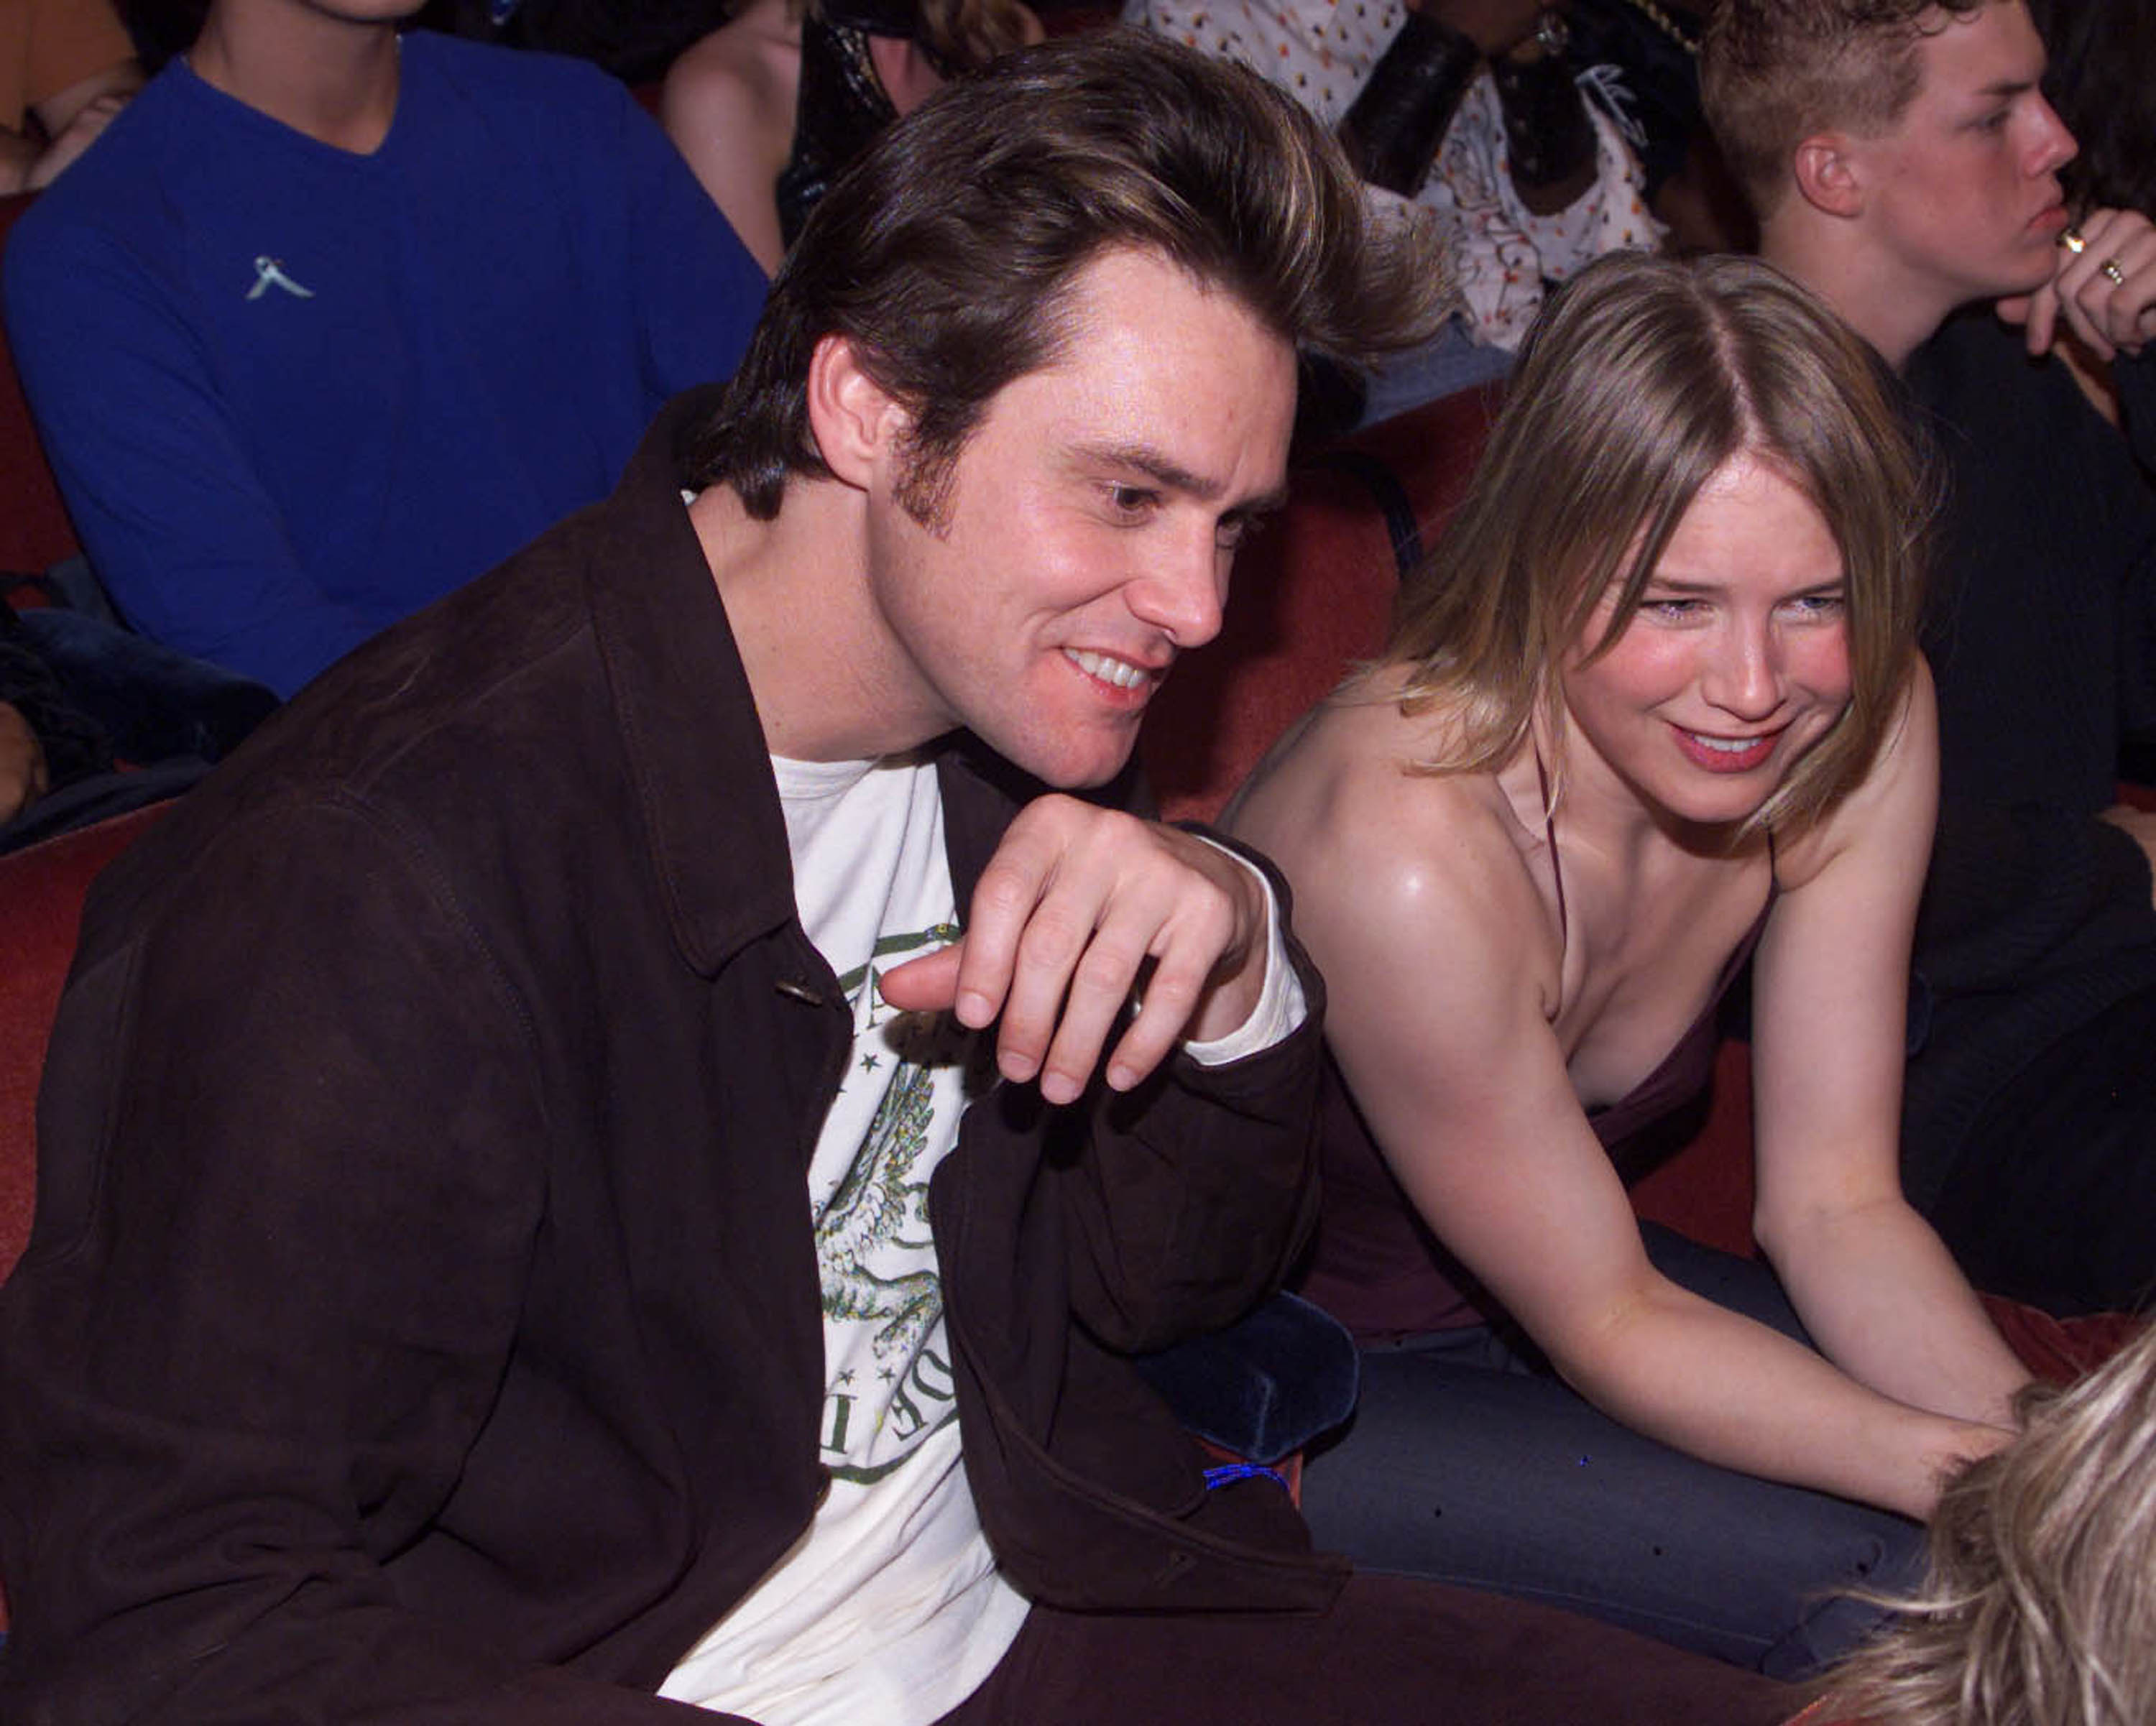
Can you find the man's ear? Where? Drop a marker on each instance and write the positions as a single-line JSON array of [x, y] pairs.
[[1829, 174], [855, 423]]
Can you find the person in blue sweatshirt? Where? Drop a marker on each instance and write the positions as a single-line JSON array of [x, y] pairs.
[[336, 318]]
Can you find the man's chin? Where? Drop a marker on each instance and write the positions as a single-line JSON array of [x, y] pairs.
[[2020, 283], [1066, 765]]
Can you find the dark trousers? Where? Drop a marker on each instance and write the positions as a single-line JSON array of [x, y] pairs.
[[1391, 1653], [2053, 1199], [1470, 1462]]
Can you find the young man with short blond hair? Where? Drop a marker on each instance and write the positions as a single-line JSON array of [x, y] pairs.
[[1905, 164]]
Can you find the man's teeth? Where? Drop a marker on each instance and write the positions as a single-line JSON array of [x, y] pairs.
[[1120, 673]]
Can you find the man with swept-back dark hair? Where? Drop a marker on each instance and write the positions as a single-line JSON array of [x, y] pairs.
[[948, 258], [619, 1158]]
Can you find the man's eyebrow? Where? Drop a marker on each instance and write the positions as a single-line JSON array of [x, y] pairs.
[[1175, 477], [2008, 87]]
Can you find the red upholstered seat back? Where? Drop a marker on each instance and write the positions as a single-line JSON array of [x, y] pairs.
[[41, 892], [1311, 595], [34, 532]]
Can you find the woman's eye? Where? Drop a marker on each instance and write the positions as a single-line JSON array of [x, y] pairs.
[[1672, 609], [1819, 605]]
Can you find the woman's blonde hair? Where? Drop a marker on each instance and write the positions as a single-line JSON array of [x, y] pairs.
[[1644, 376], [2039, 1608]]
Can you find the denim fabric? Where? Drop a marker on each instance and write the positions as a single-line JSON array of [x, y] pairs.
[[1450, 361], [1469, 1461]]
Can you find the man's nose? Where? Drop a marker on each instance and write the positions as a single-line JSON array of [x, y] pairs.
[[2055, 145], [1182, 592]]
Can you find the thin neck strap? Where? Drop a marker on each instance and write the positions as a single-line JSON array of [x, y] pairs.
[[1549, 834]]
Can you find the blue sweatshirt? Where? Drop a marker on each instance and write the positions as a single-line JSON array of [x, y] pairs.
[[292, 393]]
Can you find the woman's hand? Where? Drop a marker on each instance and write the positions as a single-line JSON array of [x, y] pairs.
[[1877, 1291]]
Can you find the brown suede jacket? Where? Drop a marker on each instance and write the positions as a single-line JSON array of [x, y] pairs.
[[422, 1320]]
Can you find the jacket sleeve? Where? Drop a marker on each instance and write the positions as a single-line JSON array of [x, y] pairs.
[[175, 519], [1197, 1190], [284, 1219]]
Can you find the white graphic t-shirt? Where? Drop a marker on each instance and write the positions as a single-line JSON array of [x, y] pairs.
[[889, 1610]]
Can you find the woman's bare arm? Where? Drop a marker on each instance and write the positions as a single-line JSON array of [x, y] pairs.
[[1875, 1287], [728, 105], [1442, 970]]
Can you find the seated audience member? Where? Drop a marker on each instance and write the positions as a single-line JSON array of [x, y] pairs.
[[1468, 109], [72, 711], [1651, 52], [1905, 164], [2039, 1608], [332, 322], [669, 1207], [46, 741], [66, 68], [1652, 707], [771, 107]]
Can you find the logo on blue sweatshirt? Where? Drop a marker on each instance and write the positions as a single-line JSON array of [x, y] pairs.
[[268, 274]]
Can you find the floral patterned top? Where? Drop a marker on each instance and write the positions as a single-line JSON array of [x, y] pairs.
[[1321, 51]]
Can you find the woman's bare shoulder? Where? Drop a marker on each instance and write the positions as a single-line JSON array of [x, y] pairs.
[[1357, 826], [746, 72], [1893, 804]]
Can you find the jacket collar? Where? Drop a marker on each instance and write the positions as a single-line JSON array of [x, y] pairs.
[[701, 771], [700, 765]]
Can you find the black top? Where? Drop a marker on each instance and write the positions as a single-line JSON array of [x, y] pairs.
[[2041, 634]]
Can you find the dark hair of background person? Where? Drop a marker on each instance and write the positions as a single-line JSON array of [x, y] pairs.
[[947, 252], [161, 28], [2103, 81], [636, 40]]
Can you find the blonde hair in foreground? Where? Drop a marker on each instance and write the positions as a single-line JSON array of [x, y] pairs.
[[1644, 376], [2040, 1606]]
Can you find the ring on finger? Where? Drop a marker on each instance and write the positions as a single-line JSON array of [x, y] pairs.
[[2110, 266]]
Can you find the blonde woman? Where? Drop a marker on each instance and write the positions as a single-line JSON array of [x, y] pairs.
[[1653, 708]]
